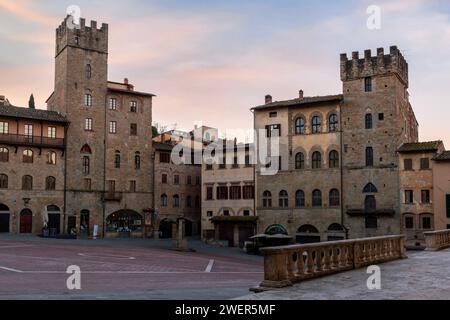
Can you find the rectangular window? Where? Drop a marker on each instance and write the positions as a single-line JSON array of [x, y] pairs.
[[448, 205], [164, 157], [29, 130], [133, 106], [189, 180], [222, 193], [112, 104], [426, 196], [409, 196], [51, 132], [132, 186], [87, 184], [176, 179], [164, 178], [371, 222], [235, 193], [88, 100], [249, 192], [198, 180], [368, 84], [426, 223], [209, 213], [209, 193], [273, 130], [408, 164], [4, 127], [381, 116], [133, 129], [409, 223], [273, 114], [113, 127], [424, 164], [111, 185], [88, 124]]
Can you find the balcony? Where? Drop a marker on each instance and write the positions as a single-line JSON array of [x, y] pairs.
[[32, 141], [112, 196]]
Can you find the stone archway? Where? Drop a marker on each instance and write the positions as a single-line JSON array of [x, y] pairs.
[[308, 234], [124, 222], [165, 228], [4, 218]]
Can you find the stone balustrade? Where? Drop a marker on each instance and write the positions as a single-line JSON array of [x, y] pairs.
[[437, 240], [286, 265]]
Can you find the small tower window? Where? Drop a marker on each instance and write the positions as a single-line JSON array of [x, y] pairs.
[[77, 41], [333, 123], [368, 84], [88, 100], [117, 160], [369, 157], [369, 121], [88, 71], [133, 106]]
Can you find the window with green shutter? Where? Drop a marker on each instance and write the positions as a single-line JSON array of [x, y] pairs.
[[448, 206]]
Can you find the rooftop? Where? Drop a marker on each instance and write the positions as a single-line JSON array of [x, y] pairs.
[[126, 87], [35, 114], [430, 146], [306, 101], [444, 156], [162, 146]]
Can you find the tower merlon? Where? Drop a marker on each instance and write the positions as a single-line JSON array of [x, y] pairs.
[[381, 64]]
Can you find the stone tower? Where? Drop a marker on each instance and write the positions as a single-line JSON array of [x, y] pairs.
[[377, 118], [81, 74]]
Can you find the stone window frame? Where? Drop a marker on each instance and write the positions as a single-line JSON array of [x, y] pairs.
[[334, 198], [317, 198], [316, 163], [267, 199], [297, 127], [411, 216], [300, 202], [300, 160], [50, 183], [335, 162], [423, 216], [316, 128], [4, 181], [164, 200], [283, 199], [27, 182], [88, 124], [112, 103], [113, 127], [4, 154], [28, 156], [336, 125], [88, 98], [137, 160], [51, 157]]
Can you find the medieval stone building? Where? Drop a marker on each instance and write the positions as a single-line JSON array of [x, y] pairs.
[[338, 166]]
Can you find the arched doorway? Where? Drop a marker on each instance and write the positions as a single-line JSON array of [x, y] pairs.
[[26, 221], [54, 220], [124, 222], [308, 234], [4, 218], [165, 229], [336, 232], [84, 223]]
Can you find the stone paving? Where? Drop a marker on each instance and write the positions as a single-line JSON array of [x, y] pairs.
[[424, 275]]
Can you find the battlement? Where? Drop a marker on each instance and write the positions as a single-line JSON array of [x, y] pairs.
[[381, 64], [83, 36]]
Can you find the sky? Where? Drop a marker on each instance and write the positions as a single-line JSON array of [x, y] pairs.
[[210, 61]]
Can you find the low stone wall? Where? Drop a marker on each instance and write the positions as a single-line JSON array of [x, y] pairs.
[[437, 240], [284, 266]]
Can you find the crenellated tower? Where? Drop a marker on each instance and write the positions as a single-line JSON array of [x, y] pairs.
[[376, 119]]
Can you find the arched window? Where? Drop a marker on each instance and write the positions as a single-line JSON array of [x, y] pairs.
[[283, 199], [370, 204], [300, 126], [3, 181], [88, 100], [276, 229], [86, 165], [188, 201], [334, 159], [88, 71], [176, 201], [137, 160], [299, 161], [164, 200], [267, 199], [368, 121], [317, 198], [370, 188], [50, 183], [86, 149], [300, 199], [335, 199], [316, 160], [4, 155], [333, 123], [27, 156], [316, 124], [369, 157], [51, 157], [27, 183], [117, 160]]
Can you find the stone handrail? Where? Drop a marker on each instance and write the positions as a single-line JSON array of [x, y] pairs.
[[286, 265], [437, 240]]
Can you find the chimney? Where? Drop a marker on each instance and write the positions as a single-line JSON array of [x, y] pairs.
[[125, 81], [268, 99], [300, 95], [2, 100]]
